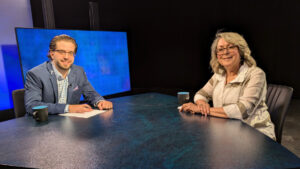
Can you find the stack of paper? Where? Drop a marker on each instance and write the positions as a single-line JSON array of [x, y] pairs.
[[84, 115]]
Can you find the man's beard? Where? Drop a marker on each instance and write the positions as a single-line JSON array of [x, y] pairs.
[[60, 66]]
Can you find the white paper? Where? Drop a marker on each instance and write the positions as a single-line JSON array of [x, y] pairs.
[[84, 115]]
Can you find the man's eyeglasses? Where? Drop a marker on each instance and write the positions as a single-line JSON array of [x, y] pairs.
[[230, 48], [63, 52]]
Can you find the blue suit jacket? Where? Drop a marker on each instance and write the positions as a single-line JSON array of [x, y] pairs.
[[41, 88]]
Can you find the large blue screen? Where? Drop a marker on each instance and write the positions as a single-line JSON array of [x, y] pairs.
[[102, 54]]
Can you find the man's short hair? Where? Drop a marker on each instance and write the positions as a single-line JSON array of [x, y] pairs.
[[62, 37]]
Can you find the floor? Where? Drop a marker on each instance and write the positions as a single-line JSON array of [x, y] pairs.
[[291, 128]]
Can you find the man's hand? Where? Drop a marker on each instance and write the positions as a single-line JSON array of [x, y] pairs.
[[79, 108], [105, 105]]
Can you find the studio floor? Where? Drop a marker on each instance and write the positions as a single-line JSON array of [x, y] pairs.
[[291, 128]]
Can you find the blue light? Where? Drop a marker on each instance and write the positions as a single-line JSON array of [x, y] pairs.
[[11, 76], [39, 107]]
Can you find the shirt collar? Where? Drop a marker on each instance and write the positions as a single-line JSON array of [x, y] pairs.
[[240, 77], [58, 75]]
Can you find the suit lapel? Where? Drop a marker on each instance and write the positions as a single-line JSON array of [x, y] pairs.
[[71, 80], [53, 80]]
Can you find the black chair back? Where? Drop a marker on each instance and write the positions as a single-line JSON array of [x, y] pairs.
[[18, 99], [278, 100]]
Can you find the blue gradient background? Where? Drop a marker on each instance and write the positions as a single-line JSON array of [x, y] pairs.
[[102, 54], [11, 77]]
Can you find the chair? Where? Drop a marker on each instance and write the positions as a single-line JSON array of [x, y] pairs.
[[18, 99], [278, 100]]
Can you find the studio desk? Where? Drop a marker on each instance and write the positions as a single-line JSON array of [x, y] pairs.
[[142, 131]]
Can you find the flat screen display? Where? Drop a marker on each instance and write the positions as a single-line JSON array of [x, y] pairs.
[[102, 54]]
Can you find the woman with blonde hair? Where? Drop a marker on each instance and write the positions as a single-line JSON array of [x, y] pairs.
[[238, 87]]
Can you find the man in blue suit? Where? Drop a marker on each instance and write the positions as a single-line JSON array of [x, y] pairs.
[[59, 84]]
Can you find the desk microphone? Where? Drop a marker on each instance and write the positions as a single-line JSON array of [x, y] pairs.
[[60, 78]]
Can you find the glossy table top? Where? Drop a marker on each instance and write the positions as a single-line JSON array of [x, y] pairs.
[[142, 131]]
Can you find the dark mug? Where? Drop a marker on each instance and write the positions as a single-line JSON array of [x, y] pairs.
[[183, 97], [40, 113]]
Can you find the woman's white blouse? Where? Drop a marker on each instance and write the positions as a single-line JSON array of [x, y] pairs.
[[243, 98]]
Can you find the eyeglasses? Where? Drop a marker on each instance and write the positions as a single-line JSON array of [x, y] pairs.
[[230, 48], [63, 52]]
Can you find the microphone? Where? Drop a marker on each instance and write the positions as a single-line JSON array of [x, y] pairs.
[[60, 78]]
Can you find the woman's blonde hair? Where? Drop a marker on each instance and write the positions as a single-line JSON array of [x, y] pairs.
[[235, 39]]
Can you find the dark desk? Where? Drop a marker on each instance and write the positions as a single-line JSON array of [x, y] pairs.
[[143, 131]]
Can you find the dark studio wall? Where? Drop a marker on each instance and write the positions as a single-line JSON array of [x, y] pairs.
[[170, 40]]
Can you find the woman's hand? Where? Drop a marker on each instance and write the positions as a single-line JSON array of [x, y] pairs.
[[204, 107], [192, 108], [189, 107]]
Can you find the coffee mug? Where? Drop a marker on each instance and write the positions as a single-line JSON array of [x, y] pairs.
[[183, 97], [40, 113]]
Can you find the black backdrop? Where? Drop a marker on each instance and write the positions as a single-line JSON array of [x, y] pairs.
[[170, 40]]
